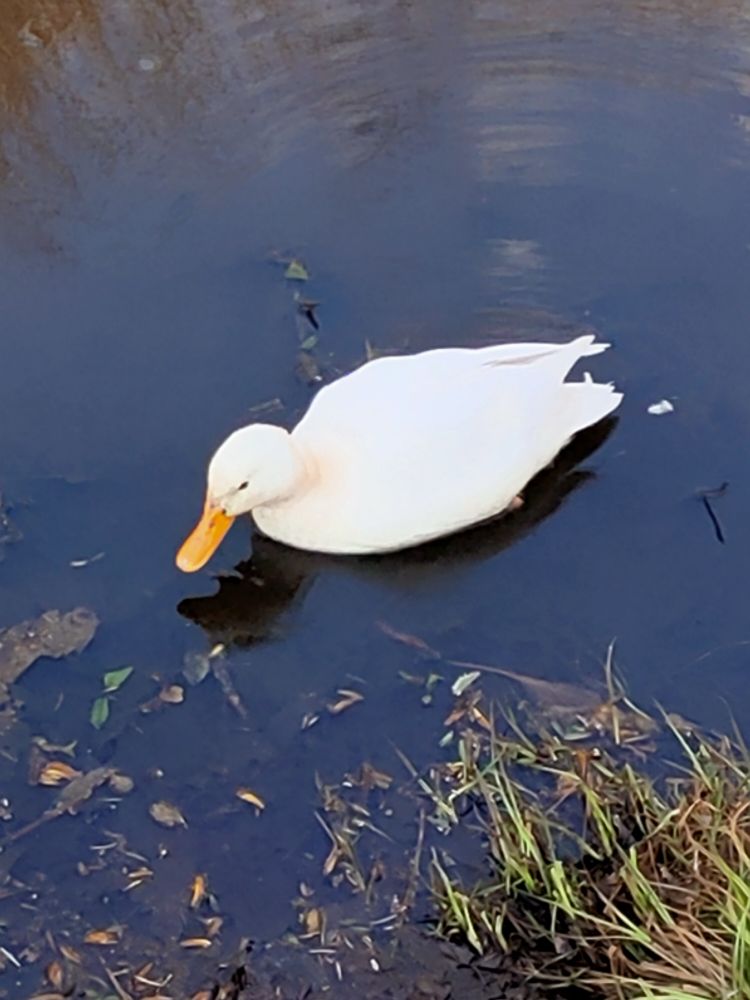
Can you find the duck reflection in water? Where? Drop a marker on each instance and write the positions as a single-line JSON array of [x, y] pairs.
[[253, 603]]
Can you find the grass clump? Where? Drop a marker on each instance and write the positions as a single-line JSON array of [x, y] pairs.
[[605, 879]]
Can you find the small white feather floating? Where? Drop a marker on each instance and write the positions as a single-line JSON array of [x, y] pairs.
[[660, 408], [403, 450]]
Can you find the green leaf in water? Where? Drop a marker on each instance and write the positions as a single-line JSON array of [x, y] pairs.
[[114, 679], [309, 342], [296, 271], [99, 712]]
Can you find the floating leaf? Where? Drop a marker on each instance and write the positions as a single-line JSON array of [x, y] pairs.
[[166, 814], [170, 694], [334, 856], [348, 698], [138, 877], [196, 942], [55, 772], [463, 682], [173, 694], [249, 796], [198, 891], [432, 681], [313, 920], [55, 974], [213, 925], [309, 342], [67, 748], [106, 937], [296, 271], [99, 712], [114, 679]]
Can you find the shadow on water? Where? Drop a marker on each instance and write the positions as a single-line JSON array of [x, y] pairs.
[[248, 605]]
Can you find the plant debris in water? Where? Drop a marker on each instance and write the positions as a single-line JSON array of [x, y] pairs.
[[112, 681], [706, 496], [54, 634], [602, 881]]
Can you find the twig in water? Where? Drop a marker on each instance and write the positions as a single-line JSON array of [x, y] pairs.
[[705, 496]]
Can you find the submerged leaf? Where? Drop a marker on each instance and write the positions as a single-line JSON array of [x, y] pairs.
[[99, 712], [407, 639], [53, 635], [166, 814], [114, 679], [195, 667], [55, 772], [307, 368], [122, 784]]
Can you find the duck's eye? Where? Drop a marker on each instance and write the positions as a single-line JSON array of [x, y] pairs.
[[243, 486]]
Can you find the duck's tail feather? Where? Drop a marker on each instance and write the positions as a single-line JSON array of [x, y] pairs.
[[588, 402], [587, 345]]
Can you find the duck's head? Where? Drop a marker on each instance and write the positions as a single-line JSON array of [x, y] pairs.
[[255, 465]]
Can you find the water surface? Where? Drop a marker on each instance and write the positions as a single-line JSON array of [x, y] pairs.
[[450, 174]]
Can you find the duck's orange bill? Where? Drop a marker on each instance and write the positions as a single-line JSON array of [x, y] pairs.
[[204, 539]]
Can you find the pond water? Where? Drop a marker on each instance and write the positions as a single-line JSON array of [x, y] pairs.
[[449, 174]]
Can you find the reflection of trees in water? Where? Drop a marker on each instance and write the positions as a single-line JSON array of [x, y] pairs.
[[92, 86], [117, 87], [536, 64]]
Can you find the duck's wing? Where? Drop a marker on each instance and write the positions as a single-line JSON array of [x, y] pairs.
[[423, 444], [447, 384]]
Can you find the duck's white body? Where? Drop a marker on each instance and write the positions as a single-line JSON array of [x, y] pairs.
[[406, 449]]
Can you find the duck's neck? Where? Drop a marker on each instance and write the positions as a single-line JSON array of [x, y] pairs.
[[292, 473]]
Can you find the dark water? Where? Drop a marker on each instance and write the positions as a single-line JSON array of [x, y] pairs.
[[450, 174]]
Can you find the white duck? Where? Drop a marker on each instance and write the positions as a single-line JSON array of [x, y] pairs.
[[403, 450]]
